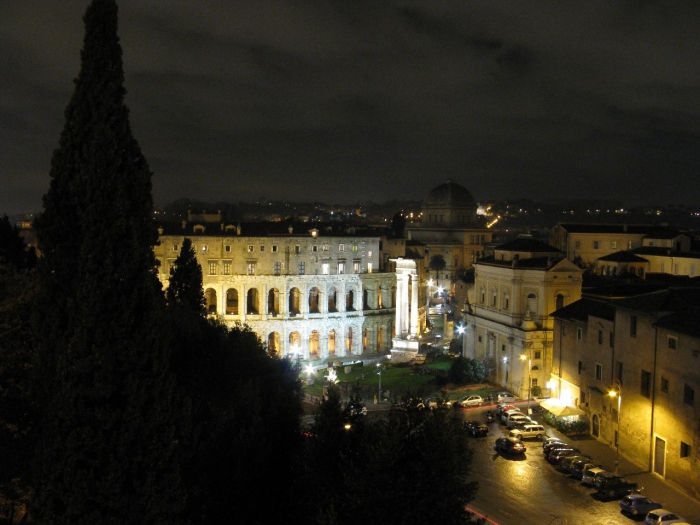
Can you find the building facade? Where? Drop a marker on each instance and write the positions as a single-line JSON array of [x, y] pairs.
[[315, 293], [644, 349], [508, 326]]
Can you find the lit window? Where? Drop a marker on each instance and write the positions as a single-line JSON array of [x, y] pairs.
[[613, 245], [204, 247], [356, 267], [325, 268], [369, 267], [251, 268], [341, 267], [369, 253], [341, 247], [212, 268], [326, 247], [250, 248], [227, 268], [354, 247]]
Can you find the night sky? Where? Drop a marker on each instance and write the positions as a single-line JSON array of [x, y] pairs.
[[350, 101]]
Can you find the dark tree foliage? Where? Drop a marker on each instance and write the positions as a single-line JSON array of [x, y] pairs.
[[12, 251], [109, 433], [437, 264], [17, 408], [466, 371], [185, 285], [246, 427], [398, 225], [410, 468]]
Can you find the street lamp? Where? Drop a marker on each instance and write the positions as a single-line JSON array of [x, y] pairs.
[[618, 394], [379, 371], [523, 357]]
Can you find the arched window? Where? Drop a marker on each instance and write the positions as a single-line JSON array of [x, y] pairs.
[[232, 301], [253, 302], [294, 301], [273, 302], [350, 301], [314, 296], [559, 301], [331, 342], [482, 295], [210, 298], [332, 300], [273, 343], [348, 341], [494, 297], [313, 345]]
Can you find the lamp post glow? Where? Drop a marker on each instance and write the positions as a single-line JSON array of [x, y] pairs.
[[379, 368], [523, 357], [618, 394]]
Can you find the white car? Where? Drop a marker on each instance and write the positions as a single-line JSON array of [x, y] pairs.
[[662, 517], [506, 397], [471, 401]]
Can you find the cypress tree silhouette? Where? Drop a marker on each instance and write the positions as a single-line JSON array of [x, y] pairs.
[[109, 428]]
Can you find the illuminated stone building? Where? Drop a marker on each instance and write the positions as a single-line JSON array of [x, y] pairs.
[[450, 227], [587, 242], [316, 292], [508, 326], [646, 348]]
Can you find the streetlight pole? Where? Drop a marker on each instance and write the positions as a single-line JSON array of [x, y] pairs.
[[529, 377], [379, 367], [618, 394]]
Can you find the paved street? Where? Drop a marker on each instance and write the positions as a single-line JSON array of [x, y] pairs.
[[531, 491]]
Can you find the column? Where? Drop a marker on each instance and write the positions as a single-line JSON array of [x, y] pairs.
[[414, 305]]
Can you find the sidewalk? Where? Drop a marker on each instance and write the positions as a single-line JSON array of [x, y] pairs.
[[652, 485]]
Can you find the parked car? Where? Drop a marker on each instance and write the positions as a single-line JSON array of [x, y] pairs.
[[589, 474], [502, 408], [509, 445], [470, 401], [556, 455], [615, 487], [634, 504], [435, 402], [507, 412], [528, 430], [662, 517], [517, 419], [551, 439], [554, 445], [567, 463], [601, 477], [505, 397], [579, 466], [476, 428]]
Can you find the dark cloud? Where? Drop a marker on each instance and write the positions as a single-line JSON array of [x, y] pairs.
[[366, 100]]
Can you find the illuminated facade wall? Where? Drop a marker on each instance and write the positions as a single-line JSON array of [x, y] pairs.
[[320, 296], [510, 317], [654, 353]]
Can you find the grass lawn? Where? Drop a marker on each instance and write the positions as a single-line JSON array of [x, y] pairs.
[[399, 380]]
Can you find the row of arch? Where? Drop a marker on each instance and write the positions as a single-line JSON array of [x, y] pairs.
[[336, 343], [315, 304]]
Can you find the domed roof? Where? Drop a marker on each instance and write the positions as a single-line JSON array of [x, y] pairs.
[[449, 193]]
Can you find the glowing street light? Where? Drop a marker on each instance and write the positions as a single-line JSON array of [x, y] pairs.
[[379, 371], [618, 394]]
